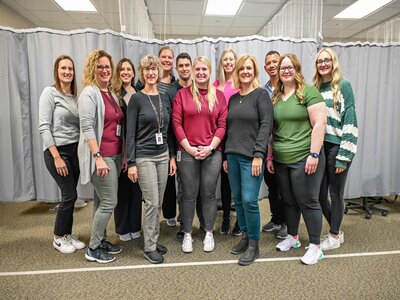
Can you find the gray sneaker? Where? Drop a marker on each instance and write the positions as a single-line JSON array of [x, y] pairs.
[[282, 232], [271, 226], [154, 257]]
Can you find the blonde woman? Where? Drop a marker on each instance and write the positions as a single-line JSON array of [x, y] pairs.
[[340, 142], [149, 150], [199, 122], [100, 147], [299, 160], [250, 117], [226, 83]]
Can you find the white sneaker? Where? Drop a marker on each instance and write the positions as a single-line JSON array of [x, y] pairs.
[[208, 243], [125, 237], [187, 243], [171, 222], [341, 237], [63, 245], [79, 203], [73, 239], [135, 235], [288, 243], [313, 255], [330, 243]]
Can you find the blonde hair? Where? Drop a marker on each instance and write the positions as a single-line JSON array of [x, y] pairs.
[[221, 72], [211, 90], [89, 72], [239, 65], [147, 62], [117, 84], [299, 79], [335, 73]]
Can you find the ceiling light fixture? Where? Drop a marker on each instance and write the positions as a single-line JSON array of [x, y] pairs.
[[361, 8], [76, 5], [222, 7]]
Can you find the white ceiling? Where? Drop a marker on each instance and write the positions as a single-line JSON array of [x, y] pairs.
[[185, 19]]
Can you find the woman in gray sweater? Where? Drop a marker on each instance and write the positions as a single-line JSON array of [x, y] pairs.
[[59, 128]]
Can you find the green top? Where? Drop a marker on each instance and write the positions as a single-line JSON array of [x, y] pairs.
[[292, 128], [341, 128]]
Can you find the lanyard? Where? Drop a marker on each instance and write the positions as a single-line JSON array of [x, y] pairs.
[[160, 116], [112, 103]]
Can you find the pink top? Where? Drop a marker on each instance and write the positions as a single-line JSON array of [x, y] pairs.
[[198, 127], [228, 90]]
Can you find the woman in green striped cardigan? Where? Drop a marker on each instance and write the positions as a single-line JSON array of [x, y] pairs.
[[340, 142]]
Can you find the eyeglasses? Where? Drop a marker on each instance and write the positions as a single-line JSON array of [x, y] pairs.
[[148, 69], [288, 69], [325, 60], [101, 68]]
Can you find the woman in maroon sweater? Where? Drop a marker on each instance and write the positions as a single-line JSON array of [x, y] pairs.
[[199, 122]]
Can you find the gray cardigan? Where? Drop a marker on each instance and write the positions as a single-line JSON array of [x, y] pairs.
[[91, 116]]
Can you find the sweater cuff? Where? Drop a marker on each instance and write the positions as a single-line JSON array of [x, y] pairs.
[[341, 164], [258, 154]]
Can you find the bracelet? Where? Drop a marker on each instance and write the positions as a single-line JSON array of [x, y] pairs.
[[270, 158]]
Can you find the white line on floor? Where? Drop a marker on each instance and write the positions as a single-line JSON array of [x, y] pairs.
[[187, 264]]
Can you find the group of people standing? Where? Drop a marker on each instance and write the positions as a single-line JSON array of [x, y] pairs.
[[131, 140]]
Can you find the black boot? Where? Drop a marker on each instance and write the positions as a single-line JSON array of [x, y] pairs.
[[251, 254], [241, 247]]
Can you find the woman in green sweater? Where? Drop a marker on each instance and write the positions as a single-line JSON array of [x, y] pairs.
[[340, 142]]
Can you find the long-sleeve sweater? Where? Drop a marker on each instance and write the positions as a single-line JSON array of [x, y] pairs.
[[141, 127], [58, 118], [199, 128], [341, 126], [249, 124]]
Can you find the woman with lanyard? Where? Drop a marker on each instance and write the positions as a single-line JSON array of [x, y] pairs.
[[100, 148], [128, 212], [147, 151]]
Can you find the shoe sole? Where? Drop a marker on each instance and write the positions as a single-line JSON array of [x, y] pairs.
[[92, 259], [321, 257], [64, 252], [187, 251], [153, 261], [280, 237], [238, 252], [114, 252], [209, 249], [297, 246], [224, 232], [79, 248], [247, 263], [237, 233], [331, 248]]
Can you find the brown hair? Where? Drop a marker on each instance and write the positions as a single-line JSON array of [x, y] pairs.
[[117, 84], [90, 67], [57, 83]]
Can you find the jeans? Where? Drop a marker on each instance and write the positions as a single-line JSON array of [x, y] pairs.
[[333, 210], [153, 173], [275, 199], [67, 185], [195, 176], [245, 188], [300, 194], [105, 199]]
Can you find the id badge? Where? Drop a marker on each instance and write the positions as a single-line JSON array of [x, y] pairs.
[[118, 131], [159, 138], [178, 155]]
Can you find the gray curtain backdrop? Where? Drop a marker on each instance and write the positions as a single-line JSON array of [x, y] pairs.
[[27, 58]]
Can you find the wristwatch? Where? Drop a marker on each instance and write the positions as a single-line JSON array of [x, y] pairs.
[[97, 154], [315, 155], [211, 148]]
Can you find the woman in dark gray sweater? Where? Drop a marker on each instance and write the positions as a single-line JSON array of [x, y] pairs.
[[249, 123]]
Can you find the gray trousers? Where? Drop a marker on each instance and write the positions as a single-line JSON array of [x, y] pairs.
[[199, 176], [105, 199], [153, 175]]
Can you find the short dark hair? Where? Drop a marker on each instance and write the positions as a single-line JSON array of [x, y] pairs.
[[182, 56], [272, 52]]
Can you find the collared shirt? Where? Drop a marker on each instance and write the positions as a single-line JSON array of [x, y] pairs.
[[269, 88]]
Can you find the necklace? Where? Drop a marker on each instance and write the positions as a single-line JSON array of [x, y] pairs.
[[160, 116], [241, 97]]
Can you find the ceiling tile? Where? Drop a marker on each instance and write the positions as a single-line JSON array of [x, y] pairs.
[[184, 30], [213, 30], [256, 22], [240, 31], [212, 21], [257, 10], [186, 7], [46, 5], [106, 6], [87, 18], [53, 16]]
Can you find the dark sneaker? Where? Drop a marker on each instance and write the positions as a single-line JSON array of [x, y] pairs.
[[225, 227], [236, 229], [282, 232], [99, 255], [110, 248], [154, 257], [161, 249], [180, 234], [271, 226]]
